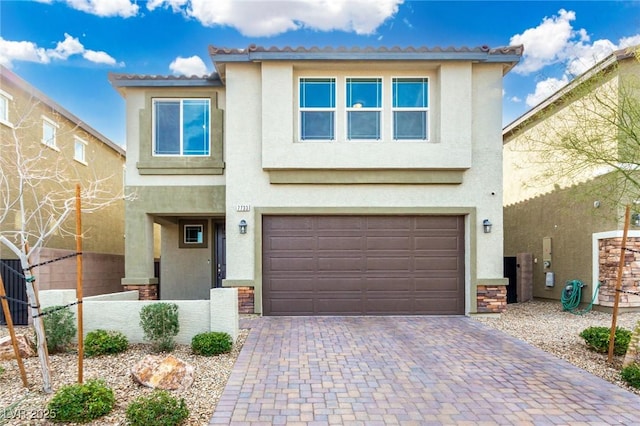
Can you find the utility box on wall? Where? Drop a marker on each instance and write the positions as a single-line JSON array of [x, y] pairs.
[[546, 252]]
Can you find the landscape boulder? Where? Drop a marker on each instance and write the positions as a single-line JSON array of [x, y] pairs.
[[25, 347], [163, 372]]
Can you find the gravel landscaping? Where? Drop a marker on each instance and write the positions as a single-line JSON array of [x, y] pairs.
[[541, 323]]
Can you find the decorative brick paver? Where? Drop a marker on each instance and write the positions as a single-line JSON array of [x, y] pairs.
[[408, 371]]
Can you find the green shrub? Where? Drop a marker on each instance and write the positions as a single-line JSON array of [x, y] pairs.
[[81, 402], [159, 322], [597, 338], [158, 409], [105, 342], [59, 327], [631, 375], [1, 370], [211, 343]]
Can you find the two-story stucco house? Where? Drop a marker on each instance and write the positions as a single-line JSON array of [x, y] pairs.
[[55, 150], [325, 181], [562, 214]]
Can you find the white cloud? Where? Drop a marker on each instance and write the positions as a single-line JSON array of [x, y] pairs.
[[188, 66], [100, 58], [515, 99], [269, 18], [546, 88], [21, 51], [64, 49], [556, 42], [629, 41], [11, 51], [546, 43], [122, 8]]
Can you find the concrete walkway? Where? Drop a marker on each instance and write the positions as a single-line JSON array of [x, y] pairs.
[[409, 371]]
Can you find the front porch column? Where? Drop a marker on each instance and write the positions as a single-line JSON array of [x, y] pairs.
[[138, 249]]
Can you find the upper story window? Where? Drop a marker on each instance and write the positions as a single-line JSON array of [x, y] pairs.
[[79, 149], [49, 129], [410, 108], [364, 107], [317, 108], [181, 127], [5, 98]]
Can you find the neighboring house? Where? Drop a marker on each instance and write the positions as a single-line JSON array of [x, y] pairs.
[[60, 146], [560, 228], [323, 182]]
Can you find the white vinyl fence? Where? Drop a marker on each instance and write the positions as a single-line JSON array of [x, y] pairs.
[[121, 312]]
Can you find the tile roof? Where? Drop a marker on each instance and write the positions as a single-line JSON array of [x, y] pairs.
[[140, 80], [213, 50], [507, 55]]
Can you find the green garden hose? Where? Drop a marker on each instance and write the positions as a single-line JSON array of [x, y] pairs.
[[572, 295]]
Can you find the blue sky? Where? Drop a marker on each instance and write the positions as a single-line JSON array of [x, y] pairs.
[[66, 48]]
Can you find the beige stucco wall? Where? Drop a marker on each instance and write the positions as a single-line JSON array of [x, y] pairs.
[[103, 230], [473, 97], [450, 119], [220, 313], [532, 163]]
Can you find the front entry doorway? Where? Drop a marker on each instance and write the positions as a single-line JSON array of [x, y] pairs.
[[219, 254]]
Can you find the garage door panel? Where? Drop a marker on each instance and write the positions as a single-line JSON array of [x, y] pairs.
[[339, 285], [292, 243], [394, 284], [437, 284], [288, 223], [299, 306], [389, 243], [438, 223], [396, 223], [341, 243], [363, 265], [436, 263], [276, 264], [388, 263], [436, 243], [286, 285], [438, 306], [346, 306], [353, 264], [333, 223], [390, 306]]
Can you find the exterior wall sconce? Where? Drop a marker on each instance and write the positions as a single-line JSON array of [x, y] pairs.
[[243, 226], [487, 226]]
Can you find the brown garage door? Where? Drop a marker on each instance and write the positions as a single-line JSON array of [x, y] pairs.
[[363, 265]]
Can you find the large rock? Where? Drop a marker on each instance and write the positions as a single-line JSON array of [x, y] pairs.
[[160, 372], [25, 347]]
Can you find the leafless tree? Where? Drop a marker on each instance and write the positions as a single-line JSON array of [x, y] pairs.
[[37, 198]]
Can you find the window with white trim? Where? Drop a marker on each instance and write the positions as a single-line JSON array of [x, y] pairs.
[[181, 127], [410, 108], [364, 108], [317, 108], [49, 129], [79, 150], [5, 99]]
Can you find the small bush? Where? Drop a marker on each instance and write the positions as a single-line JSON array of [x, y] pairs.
[[59, 328], [631, 375], [211, 343], [81, 403], [159, 322], [105, 342], [597, 338], [1, 370], [158, 409]]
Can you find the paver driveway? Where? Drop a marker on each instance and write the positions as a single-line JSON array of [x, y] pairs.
[[409, 370]]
